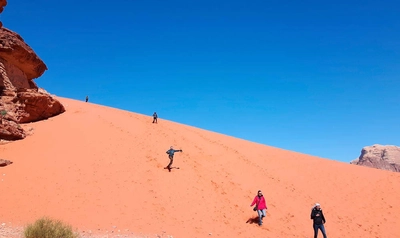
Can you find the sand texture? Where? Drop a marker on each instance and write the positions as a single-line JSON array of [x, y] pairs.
[[101, 169]]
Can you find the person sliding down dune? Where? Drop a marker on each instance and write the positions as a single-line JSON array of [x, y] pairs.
[[171, 153], [261, 206]]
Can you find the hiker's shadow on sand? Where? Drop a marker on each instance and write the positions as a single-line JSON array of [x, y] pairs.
[[253, 220]]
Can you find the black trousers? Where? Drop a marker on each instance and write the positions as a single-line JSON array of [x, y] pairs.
[[171, 160]]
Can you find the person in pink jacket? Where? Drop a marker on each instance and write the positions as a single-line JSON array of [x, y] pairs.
[[261, 206]]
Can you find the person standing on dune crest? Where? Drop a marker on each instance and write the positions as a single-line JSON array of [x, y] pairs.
[[318, 220], [171, 153], [261, 206], [155, 116]]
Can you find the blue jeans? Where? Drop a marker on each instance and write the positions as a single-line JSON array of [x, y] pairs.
[[261, 214], [321, 227]]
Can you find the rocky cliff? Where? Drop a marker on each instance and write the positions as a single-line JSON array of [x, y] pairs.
[[21, 101], [381, 157]]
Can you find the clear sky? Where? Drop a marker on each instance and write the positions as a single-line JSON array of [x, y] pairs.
[[317, 77]]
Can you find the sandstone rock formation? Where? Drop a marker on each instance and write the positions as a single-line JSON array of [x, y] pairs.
[[381, 157], [21, 101], [3, 3]]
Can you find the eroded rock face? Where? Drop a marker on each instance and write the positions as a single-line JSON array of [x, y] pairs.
[[14, 50], [10, 130], [3, 3], [36, 106], [21, 101], [385, 157]]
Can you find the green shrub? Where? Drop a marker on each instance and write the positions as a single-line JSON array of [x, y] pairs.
[[3, 113], [48, 228]]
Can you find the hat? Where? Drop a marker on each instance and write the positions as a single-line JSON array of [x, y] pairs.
[[317, 204]]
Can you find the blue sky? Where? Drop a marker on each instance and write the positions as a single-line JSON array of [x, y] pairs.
[[316, 77]]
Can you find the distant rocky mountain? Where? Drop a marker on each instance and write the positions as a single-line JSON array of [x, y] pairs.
[[385, 157]]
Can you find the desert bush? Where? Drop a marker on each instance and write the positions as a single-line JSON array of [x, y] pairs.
[[48, 228], [3, 113]]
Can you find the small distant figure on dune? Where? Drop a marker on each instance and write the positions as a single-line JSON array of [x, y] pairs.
[[155, 116], [261, 206], [87, 98], [171, 153], [318, 220]]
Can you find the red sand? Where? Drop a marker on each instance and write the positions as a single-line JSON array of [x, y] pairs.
[[96, 167]]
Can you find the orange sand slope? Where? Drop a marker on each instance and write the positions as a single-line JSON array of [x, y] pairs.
[[97, 168]]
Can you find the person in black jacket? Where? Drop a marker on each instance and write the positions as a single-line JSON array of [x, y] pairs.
[[318, 220]]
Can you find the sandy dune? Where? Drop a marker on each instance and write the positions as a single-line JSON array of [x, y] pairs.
[[101, 169]]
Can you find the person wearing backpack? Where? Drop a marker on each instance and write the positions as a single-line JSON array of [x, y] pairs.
[[261, 206], [318, 220]]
